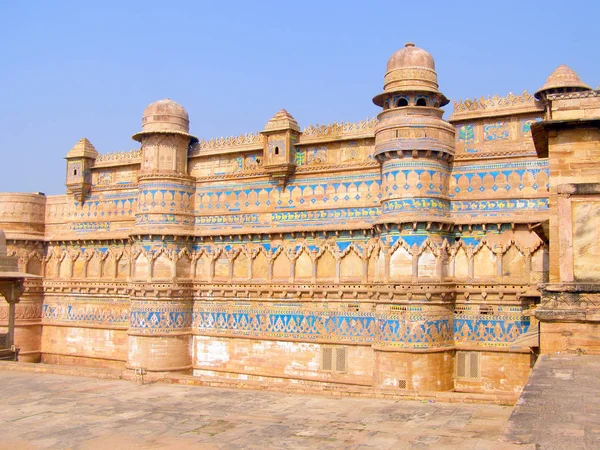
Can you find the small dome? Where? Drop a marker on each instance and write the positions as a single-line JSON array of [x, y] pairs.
[[562, 79], [410, 56], [282, 120], [410, 69], [165, 116]]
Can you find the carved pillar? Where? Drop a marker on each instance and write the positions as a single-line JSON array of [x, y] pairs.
[[471, 260], [11, 290], [386, 266], [231, 262], [293, 270], [527, 255], [498, 253], [270, 269], [415, 267], [211, 269]]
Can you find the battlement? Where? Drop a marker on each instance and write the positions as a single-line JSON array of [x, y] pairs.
[[119, 158], [338, 131], [495, 106]]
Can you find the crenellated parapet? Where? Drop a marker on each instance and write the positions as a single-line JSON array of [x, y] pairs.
[[495, 106], [119, 158]]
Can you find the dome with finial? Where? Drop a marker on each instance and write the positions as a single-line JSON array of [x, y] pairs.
[[282, 120], [562, 79], [410, 69], [165, 116], [410, 56]]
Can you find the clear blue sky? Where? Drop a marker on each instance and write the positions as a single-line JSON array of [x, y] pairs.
[[73, 69]]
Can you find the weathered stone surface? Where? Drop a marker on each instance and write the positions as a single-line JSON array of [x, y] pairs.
[[56, 411], [559, 408]]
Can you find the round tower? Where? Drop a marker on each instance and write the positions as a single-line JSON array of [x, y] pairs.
[[166, 191], [414, 146], [159, 335], [412, 142]]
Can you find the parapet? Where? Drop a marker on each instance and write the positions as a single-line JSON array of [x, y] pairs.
[[22, 215], [511, 104]]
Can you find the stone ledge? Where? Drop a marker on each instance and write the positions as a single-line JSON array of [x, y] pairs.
[[321, 389], [93, 372]]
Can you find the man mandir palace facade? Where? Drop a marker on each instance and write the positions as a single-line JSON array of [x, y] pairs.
[[407, 252]]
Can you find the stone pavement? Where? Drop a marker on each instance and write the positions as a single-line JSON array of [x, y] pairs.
[[560, 405], [58, 411]]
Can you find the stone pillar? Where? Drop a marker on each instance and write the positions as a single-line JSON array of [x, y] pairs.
[[11, 290]]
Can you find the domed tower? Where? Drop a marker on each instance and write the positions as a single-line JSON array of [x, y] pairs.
[[414, 146], [159, 333], [166, 191], [562, 80], [412, 142]]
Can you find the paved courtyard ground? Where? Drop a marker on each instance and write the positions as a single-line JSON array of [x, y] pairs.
[[57, 411], [560, 406]]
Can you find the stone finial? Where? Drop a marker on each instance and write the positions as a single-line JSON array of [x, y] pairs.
[[83, 149]]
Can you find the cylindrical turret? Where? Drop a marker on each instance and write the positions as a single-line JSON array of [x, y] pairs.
[[412, 142], [160, 312], [166, 191]]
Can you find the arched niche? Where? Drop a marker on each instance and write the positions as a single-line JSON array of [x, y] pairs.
[[51, 267], [108, 270], [222, 268], [513, 263], [427, 264], [162, 267], [79, 267], [304, 267], [122, 268], [401, 264], [326, 266], [351, 267], [93, 268], [281, 267], [64, 270], [183, 266], [141, 267], [34, 266], [202, 268], [241, 266], [260, 266], [484, 264]]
